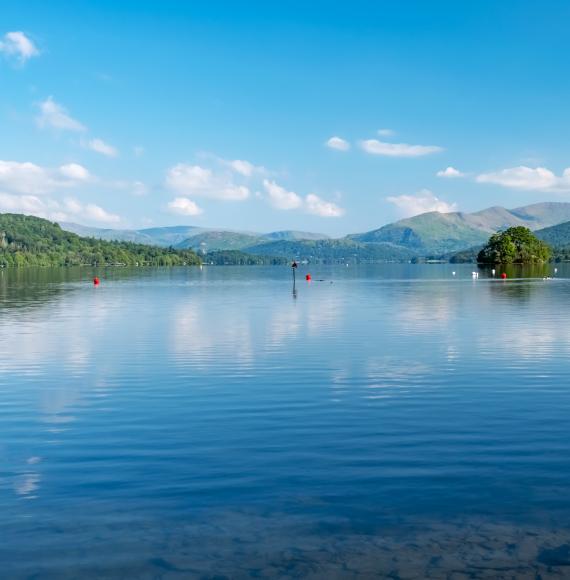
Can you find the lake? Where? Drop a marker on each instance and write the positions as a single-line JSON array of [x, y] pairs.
[[389, 420]]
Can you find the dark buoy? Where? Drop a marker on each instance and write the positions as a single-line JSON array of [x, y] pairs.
[[308, 277], [503, 276], [96, 281]]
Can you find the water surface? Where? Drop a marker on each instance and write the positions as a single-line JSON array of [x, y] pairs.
[[382, 421]]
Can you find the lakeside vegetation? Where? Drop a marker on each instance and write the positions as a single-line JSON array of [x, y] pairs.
[[32, 241], [237, 258]]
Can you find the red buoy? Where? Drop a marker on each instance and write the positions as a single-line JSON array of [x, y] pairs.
[[503, 276], [308, 277], [96, 281]]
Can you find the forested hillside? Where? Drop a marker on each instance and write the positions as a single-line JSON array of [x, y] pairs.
[[32, 241]]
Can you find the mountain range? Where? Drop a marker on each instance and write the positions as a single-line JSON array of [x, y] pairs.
[[428, 234]]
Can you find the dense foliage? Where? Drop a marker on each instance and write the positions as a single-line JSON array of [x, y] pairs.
[[333, 251], [32, 241], [517, 245], [237, 258]]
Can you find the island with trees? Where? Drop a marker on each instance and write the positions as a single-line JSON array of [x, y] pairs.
[[516, 245]]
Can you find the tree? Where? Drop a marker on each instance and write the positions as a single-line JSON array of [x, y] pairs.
[[517, 245]]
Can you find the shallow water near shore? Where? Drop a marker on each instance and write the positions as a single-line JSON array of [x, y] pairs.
[[388, 420]]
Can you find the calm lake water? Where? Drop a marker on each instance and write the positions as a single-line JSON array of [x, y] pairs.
[[391, 421]]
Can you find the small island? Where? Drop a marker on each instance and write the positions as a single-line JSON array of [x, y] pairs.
[[516, 245]]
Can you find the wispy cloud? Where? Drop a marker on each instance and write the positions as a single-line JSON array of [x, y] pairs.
[[194, 180], [450, 172], [375, 147], [55, 116], [18, 46], [338, 143], [184, 206], [245, 168], [240, 167], [386, 132], [99, 146], [282, 199], [421, 202], [317, 206], [75, 172], [528, 178]]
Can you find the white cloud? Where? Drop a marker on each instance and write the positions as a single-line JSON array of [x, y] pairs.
[[98, 214], [239, 166], [17, 45], [338, 143], [89, 212], [375, 147], [29, 205], [280, 198], [450, 172], [54, 116], [184, 206], [99, 146], [199, 181], [522, 177], [422, 202], [25, 178], [69, 209], [74, 171], [245, 168], [386, 132], [29, 178], [320, 207]]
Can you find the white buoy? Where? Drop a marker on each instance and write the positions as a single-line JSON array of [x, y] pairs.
[[556, 270], [475, 275], [453, 273], [493, 271]]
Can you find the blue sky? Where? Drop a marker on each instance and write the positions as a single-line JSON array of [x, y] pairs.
[[325, 116]]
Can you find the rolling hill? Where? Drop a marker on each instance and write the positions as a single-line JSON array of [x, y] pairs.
[[557, 236], [292, 235], [204, 239], [207, 241], [165, 237], [431, 233], [436, 233], [428, 234]]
